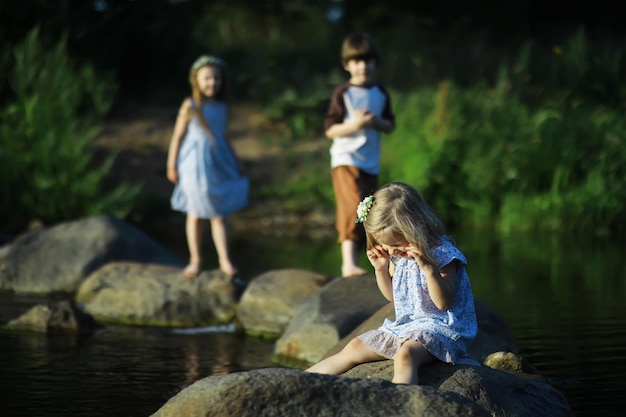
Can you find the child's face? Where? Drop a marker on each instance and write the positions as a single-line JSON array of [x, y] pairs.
[[400, 250], [209, 80], [361, 70], [397, 247]]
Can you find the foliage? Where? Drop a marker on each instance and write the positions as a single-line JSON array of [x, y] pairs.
[[483, 157], [499, 122], [47, 133], [513, 154]]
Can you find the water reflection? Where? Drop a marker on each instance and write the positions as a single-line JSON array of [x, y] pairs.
[[192, 364], [585, 359], [562, 298], [115, 371]]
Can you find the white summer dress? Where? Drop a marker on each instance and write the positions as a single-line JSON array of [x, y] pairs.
[[445, 334], [209, 182]]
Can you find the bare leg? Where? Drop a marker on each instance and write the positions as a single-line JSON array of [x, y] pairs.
[[193, 228], [355, 353], [350, 260], [220, 239], [411, 355]]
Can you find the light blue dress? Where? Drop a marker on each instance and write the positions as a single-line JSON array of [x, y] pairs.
[[445, 334], [209, 182]]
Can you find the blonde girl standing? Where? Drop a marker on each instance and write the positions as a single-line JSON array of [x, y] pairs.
[[422, 272], [208, 178]]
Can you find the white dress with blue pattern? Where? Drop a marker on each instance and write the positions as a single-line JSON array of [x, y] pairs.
[[210, 184], [445, 334]]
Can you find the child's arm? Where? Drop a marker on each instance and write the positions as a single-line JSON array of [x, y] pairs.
[[382, 125], [361, 119], [441, 282], [383, 269], [179, 131]]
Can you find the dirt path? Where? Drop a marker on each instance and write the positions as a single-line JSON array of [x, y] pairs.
[[140, 136]]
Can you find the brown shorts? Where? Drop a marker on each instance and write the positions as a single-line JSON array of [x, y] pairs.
[[351, 185]]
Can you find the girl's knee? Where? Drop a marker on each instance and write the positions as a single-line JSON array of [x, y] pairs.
[[404, 354], [412, 352], [354, 345], [359, 352]]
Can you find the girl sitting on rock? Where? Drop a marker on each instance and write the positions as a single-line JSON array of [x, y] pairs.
[[422, 272]]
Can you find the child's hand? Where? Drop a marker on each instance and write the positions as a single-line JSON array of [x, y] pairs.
[[363, 118], [379, 258], [172, 175], [417, 255]]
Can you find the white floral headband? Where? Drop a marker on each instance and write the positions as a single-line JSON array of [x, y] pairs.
[[208, 60], [364, 209]]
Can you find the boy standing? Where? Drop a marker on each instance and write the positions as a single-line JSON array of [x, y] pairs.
[[359, 110]]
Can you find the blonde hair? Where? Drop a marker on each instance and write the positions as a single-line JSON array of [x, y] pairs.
[[197, 96], [358, 45], [400, 213]]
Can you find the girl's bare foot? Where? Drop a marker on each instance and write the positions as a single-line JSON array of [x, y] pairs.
[[191, 270], [228, 268], [353, 271]]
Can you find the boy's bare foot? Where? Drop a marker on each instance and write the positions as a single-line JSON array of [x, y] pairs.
[[191, 270], [354, 271]]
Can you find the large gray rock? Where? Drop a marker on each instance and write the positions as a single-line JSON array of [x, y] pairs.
[[494, 334], [448, 391], [270, 300], [501, 393], [59, 258], [157, 295], [286, 392], [327, 316]]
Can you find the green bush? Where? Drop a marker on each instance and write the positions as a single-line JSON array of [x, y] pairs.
[[482, 157], [47, 132]]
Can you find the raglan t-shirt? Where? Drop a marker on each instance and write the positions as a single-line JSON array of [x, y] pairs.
[[362, 148]]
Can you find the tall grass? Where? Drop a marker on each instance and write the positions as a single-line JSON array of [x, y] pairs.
[[47, 171]]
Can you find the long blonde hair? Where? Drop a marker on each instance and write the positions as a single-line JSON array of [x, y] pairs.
[[399, 212], [197, 96]]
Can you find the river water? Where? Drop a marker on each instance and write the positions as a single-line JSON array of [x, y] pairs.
[[563, 298]]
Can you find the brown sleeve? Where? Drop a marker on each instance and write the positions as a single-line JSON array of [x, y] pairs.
[[337, 107]]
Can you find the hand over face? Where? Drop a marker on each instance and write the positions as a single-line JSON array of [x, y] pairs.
[[379, 258], [404, 250], [417, 255]]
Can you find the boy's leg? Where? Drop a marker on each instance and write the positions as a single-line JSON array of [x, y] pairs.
[[193, 229], [350, 185], [411, 355], [220, 240], [356, 352]]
